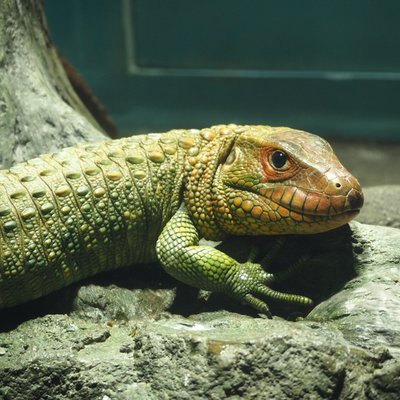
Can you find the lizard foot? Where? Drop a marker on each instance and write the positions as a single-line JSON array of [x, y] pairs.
[[250, 283]]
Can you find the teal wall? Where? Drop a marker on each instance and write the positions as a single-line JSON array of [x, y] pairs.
[[332, 67]]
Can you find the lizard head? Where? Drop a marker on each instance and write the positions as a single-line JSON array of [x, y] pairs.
[[282, 181]]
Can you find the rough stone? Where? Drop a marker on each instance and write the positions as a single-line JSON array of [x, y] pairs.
[[382, 206], [39, 110], [126, 341], [367, 309]]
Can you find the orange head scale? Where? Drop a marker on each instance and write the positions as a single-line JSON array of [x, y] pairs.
[[283, 181]]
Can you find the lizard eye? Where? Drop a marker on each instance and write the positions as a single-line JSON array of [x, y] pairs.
[[279, 159]]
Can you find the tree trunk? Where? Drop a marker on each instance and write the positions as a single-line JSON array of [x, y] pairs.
[[39, 110]]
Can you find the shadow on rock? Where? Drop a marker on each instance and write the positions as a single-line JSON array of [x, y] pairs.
[[330, 267], [122, 294], [149, 290]]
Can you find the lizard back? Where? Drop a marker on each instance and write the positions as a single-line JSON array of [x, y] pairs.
[[89, 208]]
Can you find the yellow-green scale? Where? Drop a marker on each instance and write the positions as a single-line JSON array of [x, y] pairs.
[[88, 208], [94, 207]]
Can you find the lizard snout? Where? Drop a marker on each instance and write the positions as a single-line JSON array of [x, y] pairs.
[[354, 200], [349, 187]]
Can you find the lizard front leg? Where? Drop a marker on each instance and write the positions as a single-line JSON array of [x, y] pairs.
[[207, 268]]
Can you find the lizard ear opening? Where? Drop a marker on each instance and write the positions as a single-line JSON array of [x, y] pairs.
[[231, 157], [229, 154]]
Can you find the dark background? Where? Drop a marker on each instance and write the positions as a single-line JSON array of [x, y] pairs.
[[330, 67]]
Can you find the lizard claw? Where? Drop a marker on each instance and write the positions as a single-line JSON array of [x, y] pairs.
[[257, 304]]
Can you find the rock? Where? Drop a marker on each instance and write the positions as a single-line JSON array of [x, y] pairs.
[[382, 206], [207, 356], [39, 110], [119, 304], [106, 348], [367, 309]]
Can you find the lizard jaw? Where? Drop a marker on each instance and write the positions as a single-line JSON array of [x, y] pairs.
[[307, 202], [315, 203], [275, 215]]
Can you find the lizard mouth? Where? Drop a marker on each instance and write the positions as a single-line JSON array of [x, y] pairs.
[[307, 205], [314, 203]]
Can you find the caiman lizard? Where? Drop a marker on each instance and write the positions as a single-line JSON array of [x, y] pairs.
[[94, 207]]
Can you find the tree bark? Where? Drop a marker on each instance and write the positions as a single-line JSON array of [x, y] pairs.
[[39, 110]]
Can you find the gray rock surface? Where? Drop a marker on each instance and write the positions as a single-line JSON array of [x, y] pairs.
[[382, 206], [139, 338], [39, 110]]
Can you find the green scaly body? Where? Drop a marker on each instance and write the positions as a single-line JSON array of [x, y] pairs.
[[91, 208]]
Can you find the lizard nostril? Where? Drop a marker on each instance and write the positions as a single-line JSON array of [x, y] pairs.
[[338, 185]]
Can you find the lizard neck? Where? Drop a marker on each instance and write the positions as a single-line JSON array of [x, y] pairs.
[[201, 195]]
